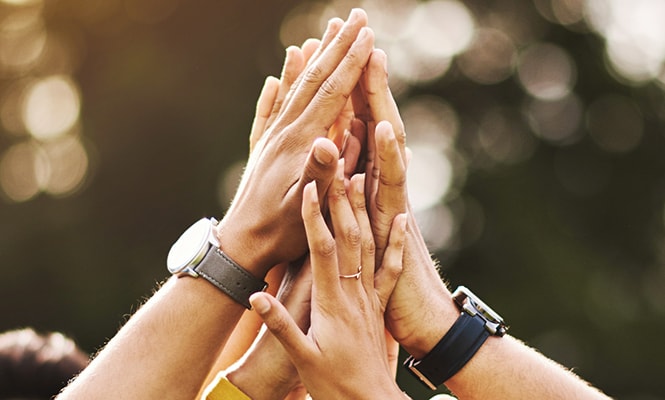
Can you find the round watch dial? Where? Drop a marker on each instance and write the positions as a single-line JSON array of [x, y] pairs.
[[190, 248]]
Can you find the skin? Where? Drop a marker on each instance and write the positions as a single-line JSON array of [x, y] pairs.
[[263, 228], [420, 310], [347, 314]]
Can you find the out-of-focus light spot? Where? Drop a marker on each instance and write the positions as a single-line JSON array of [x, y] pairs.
[[387, 18], [564, 12], [436, 32], [429, 175], [303, 22], [556, 121], [441, 28], [581, 172], [615, 123], [413, 67], [150, 11], [228, 183], [52, 107], [437, 225], [21, 2], [504, 138], [546, 71], [68, 165], [634, 34], [23, 169], [22, 40], [430, 122], [490, 57]]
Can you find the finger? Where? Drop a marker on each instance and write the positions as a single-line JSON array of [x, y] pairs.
[[371, 164], [391, 192], [345, 227], [320, 166], [322, 246], [310, 46], [392, 353], [281, 325], [391, 267], [334, 92], [380, 99], [294, 62], [358, 203], [320, 91], [264, 106], [351, 154], [332, 29], [295, 292], [312, 52]]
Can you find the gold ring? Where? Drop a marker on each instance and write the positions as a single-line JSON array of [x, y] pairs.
[[353, 276]]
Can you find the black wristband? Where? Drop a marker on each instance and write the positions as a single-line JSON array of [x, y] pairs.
[[452, 352]]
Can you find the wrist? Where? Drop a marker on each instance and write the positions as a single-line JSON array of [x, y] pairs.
[[261, 377], [245, 247], [441, 316]]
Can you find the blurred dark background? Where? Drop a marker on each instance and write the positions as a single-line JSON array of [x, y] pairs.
[[537, 129]]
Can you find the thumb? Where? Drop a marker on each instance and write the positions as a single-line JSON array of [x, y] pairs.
[[280, 323], [320, 166]]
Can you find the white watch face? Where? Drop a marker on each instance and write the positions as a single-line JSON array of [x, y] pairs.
[[190, 248]]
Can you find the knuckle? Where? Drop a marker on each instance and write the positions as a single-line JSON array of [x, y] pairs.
[[352, 235], [396, 181], [314, 75], [368, 245], [324, 247], [277, 325]]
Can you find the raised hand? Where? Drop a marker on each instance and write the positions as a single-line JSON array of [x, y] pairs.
[[345, 346], [263, 226]]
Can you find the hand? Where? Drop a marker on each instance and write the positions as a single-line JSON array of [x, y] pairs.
[[420, 310], [266, 372], [263, 227], [345, 346]]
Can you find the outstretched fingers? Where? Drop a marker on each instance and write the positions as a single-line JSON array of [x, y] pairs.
[[264, 107], [322, 246], [391, 267], [358, 203], [328, 80], [380, 99], [391, 195], [280, 323]]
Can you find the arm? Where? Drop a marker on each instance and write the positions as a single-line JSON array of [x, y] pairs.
[[188, 321], [421, 309]]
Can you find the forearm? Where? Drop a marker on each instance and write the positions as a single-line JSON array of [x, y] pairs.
[[505, 368], [166, 349]]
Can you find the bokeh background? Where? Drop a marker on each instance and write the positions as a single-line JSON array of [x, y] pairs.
[[537, 127]]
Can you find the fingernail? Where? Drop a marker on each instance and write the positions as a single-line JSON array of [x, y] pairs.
[[323, 157], [363, 33], [259, 303]]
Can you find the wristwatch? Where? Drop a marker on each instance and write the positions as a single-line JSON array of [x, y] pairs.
[[477, 322], [197, 253]]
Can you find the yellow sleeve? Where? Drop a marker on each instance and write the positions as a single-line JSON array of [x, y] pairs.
[[222, 389]]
